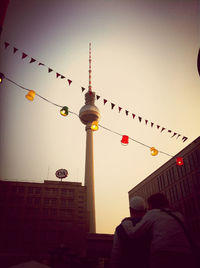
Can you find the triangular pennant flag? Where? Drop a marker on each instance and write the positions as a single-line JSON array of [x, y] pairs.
[[146, 121], [41, 63], [32, 60], [50, 70], [97, 97], [126, 112], [6, 44], [119, 109], [82, 88], [57, 75], [104, 101], [140, 118], [152, 124], [133, 116], [178, 136], [14, 49], [173, 135], [112, 105], [184, 139], [62, 76], [169, 131], [162, 129], [158, 126], [24, 55], [69, 81]]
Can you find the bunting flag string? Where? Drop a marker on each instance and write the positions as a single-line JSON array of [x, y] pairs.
[[32, 60], [45, 99], [139, 118], [58, 75]]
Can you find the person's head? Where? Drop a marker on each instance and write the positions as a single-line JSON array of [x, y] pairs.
[[158, 200], [137, 206]]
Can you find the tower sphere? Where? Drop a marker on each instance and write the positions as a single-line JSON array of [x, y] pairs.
[[89, 113]]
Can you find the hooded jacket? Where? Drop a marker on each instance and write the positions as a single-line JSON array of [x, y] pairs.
[[167, 234]]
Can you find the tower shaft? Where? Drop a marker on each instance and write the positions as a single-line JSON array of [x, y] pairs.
[[89, 179]]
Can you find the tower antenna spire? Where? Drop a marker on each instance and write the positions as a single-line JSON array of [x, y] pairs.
[[90, 70]]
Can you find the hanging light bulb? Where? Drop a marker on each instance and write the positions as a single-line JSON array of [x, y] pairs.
[[30, 95], [94, 125], [64, 111], [154, 151], [124, 140], [2, 76], [179, 161]]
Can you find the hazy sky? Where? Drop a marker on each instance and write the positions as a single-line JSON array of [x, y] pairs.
[[144, 56]]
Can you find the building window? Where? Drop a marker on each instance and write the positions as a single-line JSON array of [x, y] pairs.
[[186, 186], [176, 192], [46, 201], [36, 200], [53, 201], [67, 192], [51, 191], [158, 182], [46, 211], [37, 190], [63, 203], [66, 213], [170, 196], [64, 191], [31, 190], [21, 189], [173, 174], [167, 175], [193, 160], [54, 191], [53, 212], [70, 203], [29, 200]]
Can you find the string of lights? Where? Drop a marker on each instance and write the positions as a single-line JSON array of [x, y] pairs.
[[64, 111]]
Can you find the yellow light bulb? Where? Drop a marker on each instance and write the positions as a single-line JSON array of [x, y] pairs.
[[94, 126], [154, 151], [30, 95]]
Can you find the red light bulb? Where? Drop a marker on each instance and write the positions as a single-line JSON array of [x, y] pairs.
[[124, 140], [179, 161]]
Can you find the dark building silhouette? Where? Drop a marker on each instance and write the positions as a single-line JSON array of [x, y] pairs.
[[48, 222], [38, 217], [181, 185]]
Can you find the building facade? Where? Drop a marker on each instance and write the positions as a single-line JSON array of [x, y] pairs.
[[181, 185], [38, 217]]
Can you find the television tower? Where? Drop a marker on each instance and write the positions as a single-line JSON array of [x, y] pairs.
[[89, 113]]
